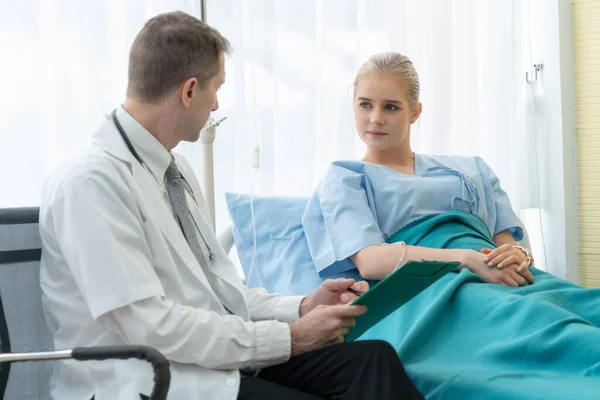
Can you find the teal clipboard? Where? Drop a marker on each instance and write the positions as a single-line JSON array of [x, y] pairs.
[[395, 290]]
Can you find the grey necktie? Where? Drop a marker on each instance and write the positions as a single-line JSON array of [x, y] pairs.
[[176, 187], [176, 190]]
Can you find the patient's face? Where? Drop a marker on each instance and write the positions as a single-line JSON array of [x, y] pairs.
[[382, 112]]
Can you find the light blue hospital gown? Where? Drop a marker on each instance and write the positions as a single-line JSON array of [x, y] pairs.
[[358, 204], [460, 338]]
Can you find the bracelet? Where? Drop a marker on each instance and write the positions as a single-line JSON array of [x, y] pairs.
[[527, 254], [400, 263]]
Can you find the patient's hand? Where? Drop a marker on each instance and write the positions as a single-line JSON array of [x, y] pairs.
[[507, 256], [476, 263]]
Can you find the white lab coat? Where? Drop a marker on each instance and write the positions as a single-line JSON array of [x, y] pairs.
[[116, 270]]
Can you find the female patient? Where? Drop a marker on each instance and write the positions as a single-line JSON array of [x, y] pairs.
[[509, 339]]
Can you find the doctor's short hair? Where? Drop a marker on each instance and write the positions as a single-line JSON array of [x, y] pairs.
[[170, 49], [396, 65]]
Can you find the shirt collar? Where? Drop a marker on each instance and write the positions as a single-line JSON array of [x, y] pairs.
[[150, 150]]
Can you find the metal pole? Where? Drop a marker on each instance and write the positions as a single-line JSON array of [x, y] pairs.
[[49, 355], [203, 10], [207, 138]]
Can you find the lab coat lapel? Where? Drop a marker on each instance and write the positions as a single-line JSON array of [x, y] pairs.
[[108, 138], [227, 281], [221, 270]]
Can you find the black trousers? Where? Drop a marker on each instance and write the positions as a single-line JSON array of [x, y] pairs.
[[347, 371]]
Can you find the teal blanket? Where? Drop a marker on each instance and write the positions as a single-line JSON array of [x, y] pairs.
[[465, 339]]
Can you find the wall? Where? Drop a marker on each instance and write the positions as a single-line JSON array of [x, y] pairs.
[[586, 33]]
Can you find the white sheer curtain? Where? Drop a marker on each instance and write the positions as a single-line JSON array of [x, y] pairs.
[[289, 82], [288, 90], [64, 64]]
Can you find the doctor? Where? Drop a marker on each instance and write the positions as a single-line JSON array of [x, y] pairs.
[[129, 258]]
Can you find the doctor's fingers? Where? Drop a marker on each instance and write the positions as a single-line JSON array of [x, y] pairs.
[[347, 323], [361, 286], [340, 336], [338, 284], [331, 331], [336, 324], [345, 311], [347, 298]]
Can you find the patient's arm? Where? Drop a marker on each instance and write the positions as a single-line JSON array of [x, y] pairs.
[[504, 237], [378, 261]]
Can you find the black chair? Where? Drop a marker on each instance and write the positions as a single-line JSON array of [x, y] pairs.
[[24, 334]]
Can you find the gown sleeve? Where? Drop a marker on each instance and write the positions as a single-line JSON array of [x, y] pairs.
[[500, 212], [340, 219]]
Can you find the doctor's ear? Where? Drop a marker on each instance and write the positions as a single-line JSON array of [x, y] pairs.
[[187, 91]]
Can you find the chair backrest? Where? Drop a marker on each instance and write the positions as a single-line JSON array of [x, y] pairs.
[[23, 326]]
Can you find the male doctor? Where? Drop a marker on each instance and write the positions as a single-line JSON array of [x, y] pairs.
[[129, 258]]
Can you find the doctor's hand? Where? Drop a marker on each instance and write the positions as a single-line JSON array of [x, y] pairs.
[[333, 291], [323, 326]]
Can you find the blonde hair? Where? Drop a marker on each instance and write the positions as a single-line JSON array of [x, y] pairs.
[[395, 64]]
